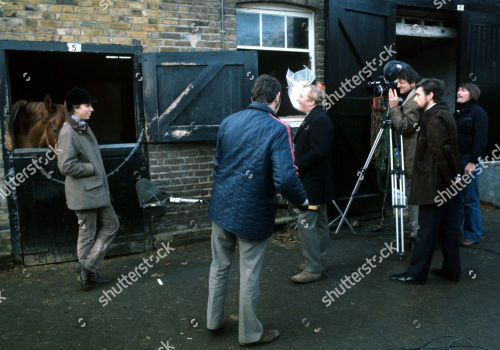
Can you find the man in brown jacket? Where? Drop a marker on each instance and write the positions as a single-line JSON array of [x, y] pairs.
[[435, 169], [405, 119], [86, 187]]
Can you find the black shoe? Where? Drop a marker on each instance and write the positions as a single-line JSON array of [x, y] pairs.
[[95, 278], [85, 282], [406, 279], [445, 274]]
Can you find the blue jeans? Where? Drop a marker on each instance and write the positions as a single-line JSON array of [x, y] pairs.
[[470, 208]]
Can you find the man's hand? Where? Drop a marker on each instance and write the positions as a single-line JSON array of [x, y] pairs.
[[393, 98], [469, 168]]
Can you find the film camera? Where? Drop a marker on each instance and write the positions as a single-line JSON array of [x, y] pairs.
[[388, 81], [382, 85]]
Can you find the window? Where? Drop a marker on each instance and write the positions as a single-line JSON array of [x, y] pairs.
[[284, 39]]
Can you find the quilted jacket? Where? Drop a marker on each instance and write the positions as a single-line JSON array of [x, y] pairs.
[[253, 161]]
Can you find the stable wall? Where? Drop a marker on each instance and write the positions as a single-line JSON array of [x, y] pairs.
[[182, 169]]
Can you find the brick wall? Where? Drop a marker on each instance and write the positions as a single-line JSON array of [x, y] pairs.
[[187, 25], [183, 169]]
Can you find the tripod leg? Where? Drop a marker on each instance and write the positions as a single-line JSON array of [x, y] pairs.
[[361, 174], [403, 194], [338, 218], [394, 193]]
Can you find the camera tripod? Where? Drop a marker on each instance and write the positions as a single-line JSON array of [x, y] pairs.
[[398, 183]]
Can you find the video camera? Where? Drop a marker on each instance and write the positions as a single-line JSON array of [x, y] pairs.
[[389, 79], [381, 87]]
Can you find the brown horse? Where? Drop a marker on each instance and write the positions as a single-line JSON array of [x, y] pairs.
[[34, 124]]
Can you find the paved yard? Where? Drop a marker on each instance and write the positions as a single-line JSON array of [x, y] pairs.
[[43, 307]]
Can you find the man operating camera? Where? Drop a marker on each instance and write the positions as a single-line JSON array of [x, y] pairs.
[[405, 118]]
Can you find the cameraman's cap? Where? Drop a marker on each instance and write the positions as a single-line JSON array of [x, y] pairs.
[[393, 68], [78, 96]]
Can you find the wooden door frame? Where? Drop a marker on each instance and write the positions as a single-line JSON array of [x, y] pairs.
[[8, 156]]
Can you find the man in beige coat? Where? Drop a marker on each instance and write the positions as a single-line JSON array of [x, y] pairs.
[[86, 187], [405, 119]]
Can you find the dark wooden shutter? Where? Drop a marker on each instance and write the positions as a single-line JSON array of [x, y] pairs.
[[357, 32], [188, 94], [479, 60]]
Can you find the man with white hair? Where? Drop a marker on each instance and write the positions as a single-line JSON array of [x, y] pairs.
[[313, 156]]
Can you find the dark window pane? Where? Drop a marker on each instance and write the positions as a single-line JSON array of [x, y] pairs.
[[247, 29], [298, 32], [273, 30], [276, 63]]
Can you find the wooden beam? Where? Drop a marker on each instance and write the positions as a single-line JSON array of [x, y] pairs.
[[425, 31]]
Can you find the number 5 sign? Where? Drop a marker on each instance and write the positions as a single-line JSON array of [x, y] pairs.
[[74, 47]]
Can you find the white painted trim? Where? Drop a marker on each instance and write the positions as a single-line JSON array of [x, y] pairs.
[[283, 10], [274, 9], [271, 48]]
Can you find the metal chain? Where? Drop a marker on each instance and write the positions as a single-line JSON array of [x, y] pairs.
[[48, 175]]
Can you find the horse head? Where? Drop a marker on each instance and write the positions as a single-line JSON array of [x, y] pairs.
[[57, 115], [45, 131]]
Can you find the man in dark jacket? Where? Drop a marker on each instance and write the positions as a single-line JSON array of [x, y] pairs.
[[86, 187], [253, 161], [472, 131], [313, 155], [435, 169]]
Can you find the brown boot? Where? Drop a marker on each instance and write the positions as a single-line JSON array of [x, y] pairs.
[[306, 277], [267, 336]]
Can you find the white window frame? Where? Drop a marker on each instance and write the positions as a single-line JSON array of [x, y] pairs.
[[282, 10]]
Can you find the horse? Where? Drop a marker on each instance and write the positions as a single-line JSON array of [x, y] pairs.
[[34, 124]]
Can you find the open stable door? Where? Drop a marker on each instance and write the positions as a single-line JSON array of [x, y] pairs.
[[188, 94], [479, 58], [360, 40], [43, 229]]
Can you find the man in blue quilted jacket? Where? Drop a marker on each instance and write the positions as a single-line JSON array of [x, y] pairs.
[[253, 161]]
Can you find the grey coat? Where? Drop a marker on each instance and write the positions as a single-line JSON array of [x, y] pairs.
[[79, 159], [405, 121]]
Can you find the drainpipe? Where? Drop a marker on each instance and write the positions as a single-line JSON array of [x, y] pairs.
[[222, 31]]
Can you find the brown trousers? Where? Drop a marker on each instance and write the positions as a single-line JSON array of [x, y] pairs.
[[93, 245]]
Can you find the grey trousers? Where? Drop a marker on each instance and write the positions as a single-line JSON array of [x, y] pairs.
[[412, 211], [314, 238], [251, 259], [92, 246]]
